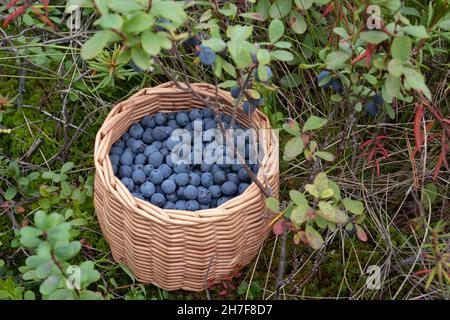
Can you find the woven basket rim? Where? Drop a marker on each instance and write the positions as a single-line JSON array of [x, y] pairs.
[[172, 216]]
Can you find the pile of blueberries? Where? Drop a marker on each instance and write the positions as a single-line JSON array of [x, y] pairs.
[[142, 160]]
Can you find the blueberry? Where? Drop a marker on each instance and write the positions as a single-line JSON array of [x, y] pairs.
[[138, 146], [169, 161], [155, 159], [148, 122], [172, 142], [147, 137], [255, 168], [156, 177], [233, 177], [136, 131], [190, 192], [150, 150], [219, 177], [378, 99], [138, 176], [182, 179], [158, 200], [169, 205], [130, 142], [204, 206], [182, 118], [147, 189], [216, 191], [125, 136], [172, 196], [140, 159], [158, 189], [208, 113], [119, 144], [128, 183], [226, 118], [138, 167], [205, 167], [157, 144], [243, 175], [213, 203], [181, 167], [148, 169], [336, 84], [115, 169], [180, 191], [195, 114], [215, 167], [114, 158], [207, 179], [248, 108], [180, 205], [242, 187], [125, 171], [160, 133], [235, 91], [210, 124], [168, 186], [192, 41], [371, 108], [256, 102], [195, 179], [229, 188], [127, 158], [324, 74], [204, 195], [138, 195], [116, 150], [192, 205], [165, 170], [236, 167], [222, 200], [171, 115], [160, 119], [173, 124], [207, 55], [269, 74]]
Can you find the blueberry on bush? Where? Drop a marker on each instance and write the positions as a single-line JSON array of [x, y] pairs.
[[207, 55], [371, 108], [235, 91]]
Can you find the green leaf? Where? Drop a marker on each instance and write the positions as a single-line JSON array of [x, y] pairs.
[[276, 30], [336, 192], [140, 58], [67, 167], [124, 7], [215, 44], [110, 21], [29, 237], [282, 55], [10, 193], [297, 22], [304, 4], [298, 197], [374, 37], [62, 294], [262, 73], [354, 206], [314, 123], [170, 10], [312, 190], [392, 85], [416, 81], [327, 193], [327, 156], [263, 57], [336, 59], [96, 44], [419, 32], [331, 213], [299, 214], [88, 273], [139, 22], [341, 32], [150, 43], [290, 80], [29, 295], [293, 148], [273, 204], [395, 67], [60, 232], [314, 238], [67, 251], [401, 48], [49, 285], [263, 7], [291, 126], [280, 8]]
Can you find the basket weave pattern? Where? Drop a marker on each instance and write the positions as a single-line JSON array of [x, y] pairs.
[[180, 249]]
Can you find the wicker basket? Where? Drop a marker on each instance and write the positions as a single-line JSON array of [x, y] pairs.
[[175, 249]]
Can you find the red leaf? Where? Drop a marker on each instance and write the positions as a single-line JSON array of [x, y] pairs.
[[377, 164], [438, 166], [278, 227], [45, 2], [327, 10], [362, 235], [417, 119], [360, 57], [41, 16], [223, 293], [11, 4], [20, 10]]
